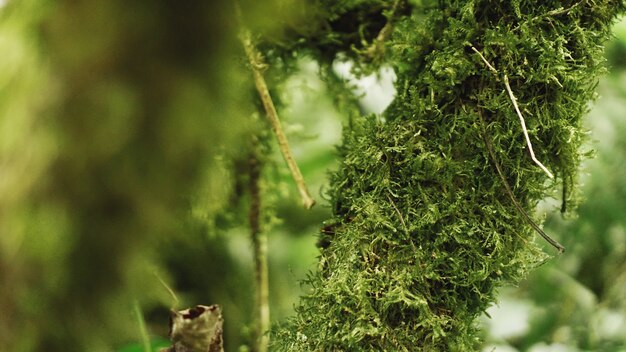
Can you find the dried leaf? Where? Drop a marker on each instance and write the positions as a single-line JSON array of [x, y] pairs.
[[197, 329]]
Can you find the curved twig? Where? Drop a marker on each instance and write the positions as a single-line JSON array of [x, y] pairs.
[[517, 110], [509, 191], [523, 122]]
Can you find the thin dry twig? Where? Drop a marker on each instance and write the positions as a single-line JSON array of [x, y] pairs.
[[493, 69], [168, 289], [256, 63], [517, 110], [509, 191], [521, 118]]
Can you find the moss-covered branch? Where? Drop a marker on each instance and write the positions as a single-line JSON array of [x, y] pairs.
[[423, 231]]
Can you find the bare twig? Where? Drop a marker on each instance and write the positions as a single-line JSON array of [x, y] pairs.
[[521, 118], [517, 110], [257, 65], [493, 69], [168, 289], [509, 191]]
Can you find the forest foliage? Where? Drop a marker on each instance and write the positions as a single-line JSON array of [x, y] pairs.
[[134, 142]]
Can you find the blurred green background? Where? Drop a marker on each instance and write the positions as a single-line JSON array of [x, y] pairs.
[[118, 170]]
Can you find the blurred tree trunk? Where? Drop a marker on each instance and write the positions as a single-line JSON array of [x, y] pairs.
[[110, 119]]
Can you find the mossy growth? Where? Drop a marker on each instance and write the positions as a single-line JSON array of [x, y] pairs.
[[423, 230]]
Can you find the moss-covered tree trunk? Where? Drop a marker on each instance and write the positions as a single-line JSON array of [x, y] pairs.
[[424, 230]]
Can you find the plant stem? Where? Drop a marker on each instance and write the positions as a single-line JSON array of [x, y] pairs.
[[257, 65], [143, 331], [259, 243]]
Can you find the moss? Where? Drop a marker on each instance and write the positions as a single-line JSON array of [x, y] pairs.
[[423, 232]]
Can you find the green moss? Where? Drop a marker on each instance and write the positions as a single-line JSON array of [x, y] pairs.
[[423, 231]]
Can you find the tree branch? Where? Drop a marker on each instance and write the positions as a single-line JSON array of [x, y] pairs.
[[257, 65]]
